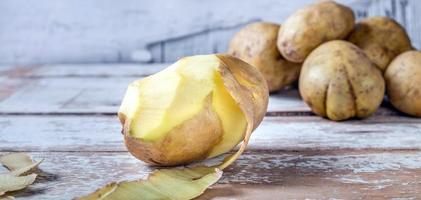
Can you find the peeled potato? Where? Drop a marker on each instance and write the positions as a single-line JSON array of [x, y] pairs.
[[256, 44], [381, 39], [403, 81], [197, 108], [311, 26], [338, 81]]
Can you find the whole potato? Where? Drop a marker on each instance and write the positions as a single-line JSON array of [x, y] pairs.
[[338, 81], [313, 25], [256, 44], [381, 38], [403, 81]]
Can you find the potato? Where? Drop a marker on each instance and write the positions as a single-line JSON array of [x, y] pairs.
[[381, 38], [256, 44], [403, 82], [338, 81], [197, 108], [311, 26]]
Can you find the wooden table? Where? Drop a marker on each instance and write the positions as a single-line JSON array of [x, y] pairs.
[[66, 114]]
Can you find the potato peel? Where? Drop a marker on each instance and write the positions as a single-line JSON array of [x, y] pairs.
[[185, 183], [18, 164], [7, 198], [250, 92]]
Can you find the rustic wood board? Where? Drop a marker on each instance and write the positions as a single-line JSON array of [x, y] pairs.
[[67, 115], [99, 89], [102, 133], [256, 174]]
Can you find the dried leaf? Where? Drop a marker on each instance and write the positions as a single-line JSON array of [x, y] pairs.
[[185, 183], [18, 163], [10, 182]]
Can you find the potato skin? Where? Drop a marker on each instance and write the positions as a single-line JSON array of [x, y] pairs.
[[381, 38], [313, 25], [256, 44], [403, 81], [338, 81], [184, 144]]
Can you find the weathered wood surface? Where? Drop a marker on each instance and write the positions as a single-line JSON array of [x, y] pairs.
[[84, 31], [102, 133], [99, 89], [66, 115], [255, 175]]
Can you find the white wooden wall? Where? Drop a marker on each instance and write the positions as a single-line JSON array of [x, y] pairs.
[[99, 31]]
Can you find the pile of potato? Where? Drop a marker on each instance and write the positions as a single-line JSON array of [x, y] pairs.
[[343, 68]]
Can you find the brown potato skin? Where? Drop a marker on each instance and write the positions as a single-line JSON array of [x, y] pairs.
[[381, 38], [313, 25], [184, 144], [256, 44], [403, 81], [338, 81]]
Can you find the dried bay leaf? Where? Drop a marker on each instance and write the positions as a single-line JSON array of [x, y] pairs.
[[10, 182], [18, 164]]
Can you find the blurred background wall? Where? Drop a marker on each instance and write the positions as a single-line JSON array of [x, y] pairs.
[[109, 31]]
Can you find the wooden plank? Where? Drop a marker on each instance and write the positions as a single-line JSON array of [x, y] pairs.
[[89, 94], [298, 175], [102, 133], [98, 70]]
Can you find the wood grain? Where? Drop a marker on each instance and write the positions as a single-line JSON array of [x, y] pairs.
[[307, 174], [73, 89], [66, 115], [102, 133]]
